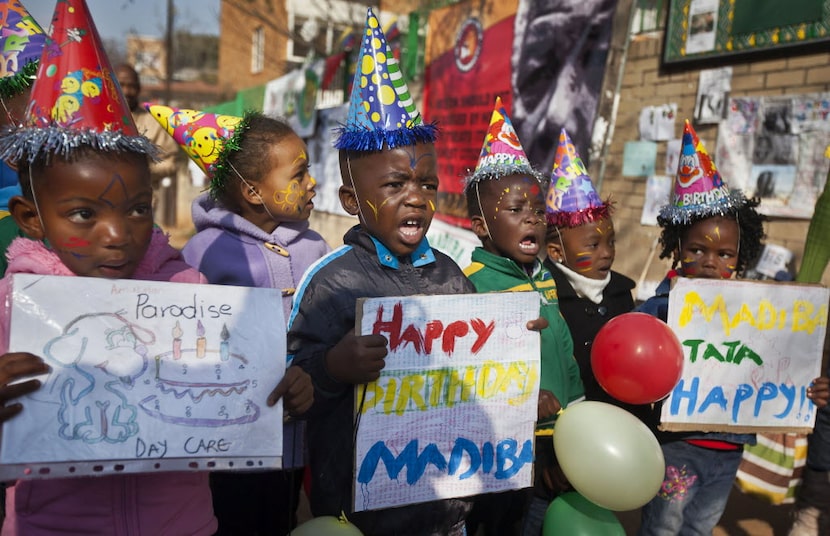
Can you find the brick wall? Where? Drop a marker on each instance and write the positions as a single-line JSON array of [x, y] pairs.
[[239, 19], [644, 84]]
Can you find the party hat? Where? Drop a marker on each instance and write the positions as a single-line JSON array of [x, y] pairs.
[[76, 100], [21, 44], [572, 199], [381, 110], [207, 138], [502, 153], [699, 190]]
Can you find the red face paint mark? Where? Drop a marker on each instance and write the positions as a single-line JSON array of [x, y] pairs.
[[75, 242]]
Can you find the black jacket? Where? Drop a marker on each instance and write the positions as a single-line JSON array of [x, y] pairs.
[[585, 318], [324, 311]]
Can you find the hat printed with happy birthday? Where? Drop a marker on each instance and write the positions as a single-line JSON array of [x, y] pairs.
[[76, 100], [207, 138], [21, 45], [699, 191], [502, 153], [572, 199], [381, 110]]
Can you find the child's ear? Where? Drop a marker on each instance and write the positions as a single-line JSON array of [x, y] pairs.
[[348, 200], [555, 251], [479, 227], [25, 215], [249, 193]]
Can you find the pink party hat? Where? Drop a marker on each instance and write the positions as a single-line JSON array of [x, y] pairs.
[[381, 110], [699, 190], [76, 100], [207, 138], [502, 153], [572, 199], [21, 44]]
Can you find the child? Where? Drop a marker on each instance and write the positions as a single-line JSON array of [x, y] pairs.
[[580, 252], [87, 197], [252, 230], [21, 43], [506, 202], [715, 238], [390, 181]]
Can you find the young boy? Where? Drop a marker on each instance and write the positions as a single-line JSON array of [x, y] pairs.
[[390, 181], [506, 202]]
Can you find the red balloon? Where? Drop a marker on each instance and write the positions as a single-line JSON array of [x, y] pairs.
[[637, 358]]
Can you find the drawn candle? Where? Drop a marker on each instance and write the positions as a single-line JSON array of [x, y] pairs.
[[177, 341], [201, 342], [224, 350]]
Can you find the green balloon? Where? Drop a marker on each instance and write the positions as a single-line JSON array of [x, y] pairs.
[[572, 514]]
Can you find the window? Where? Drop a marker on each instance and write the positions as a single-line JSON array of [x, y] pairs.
[[258, 50]]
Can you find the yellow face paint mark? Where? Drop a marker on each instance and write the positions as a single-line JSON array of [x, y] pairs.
[[374, 209], [709, 238], [432, 206], [599, 230], [290, 198], [730, 266], [688, 259], [717, 232], [302, 156]]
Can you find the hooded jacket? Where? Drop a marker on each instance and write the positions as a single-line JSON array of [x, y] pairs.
[[230, 250], [114, 505], [324, 311]]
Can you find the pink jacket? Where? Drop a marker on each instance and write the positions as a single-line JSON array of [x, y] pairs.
[[116, 505]]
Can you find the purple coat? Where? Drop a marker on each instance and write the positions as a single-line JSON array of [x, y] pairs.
[[231, 250]]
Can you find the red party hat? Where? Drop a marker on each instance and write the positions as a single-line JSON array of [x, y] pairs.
[[76, 100]]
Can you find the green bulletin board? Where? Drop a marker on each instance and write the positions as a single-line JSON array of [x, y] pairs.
[[698, 29]]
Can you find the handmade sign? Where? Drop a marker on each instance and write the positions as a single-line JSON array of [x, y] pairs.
[[751, 350], [145, 376], [454, 410]]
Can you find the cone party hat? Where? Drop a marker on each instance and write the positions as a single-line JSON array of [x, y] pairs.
[[21, 45], [207, 138], [572, 199], [381, 110], [76, 100], [502, 153], [699, 191]]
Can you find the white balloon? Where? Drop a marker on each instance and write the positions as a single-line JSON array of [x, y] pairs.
[[608, 455]]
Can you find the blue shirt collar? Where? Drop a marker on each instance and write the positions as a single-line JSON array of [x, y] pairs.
[[422, 255]]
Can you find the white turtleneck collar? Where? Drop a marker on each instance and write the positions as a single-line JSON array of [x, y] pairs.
[[585, 287]]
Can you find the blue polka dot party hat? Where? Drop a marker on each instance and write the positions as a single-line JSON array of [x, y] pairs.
[[381, 110]]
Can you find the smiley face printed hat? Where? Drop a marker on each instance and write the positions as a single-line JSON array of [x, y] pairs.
[[21, 45], [76, 100], [206, 137], [699, 191], [381, 110], [572, 199], [502, 153]]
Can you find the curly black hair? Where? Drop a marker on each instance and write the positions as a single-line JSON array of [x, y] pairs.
[[750, 224]]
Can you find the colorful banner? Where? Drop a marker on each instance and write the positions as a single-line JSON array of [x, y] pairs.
[[468, 67], [752, 349], [294, 97], [454, 410], [160, 377]]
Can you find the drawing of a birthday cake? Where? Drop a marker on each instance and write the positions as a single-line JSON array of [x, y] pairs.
[[200, 385]]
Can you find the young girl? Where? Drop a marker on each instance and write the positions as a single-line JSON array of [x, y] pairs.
[[252, 230], [86, 205], [710, 232]]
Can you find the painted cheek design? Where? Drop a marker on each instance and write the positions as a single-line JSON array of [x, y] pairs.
[[75, 242], [289, 198], [583, 261]]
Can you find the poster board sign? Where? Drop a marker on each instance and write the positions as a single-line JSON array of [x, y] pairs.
[[145, 376], [454, 410], [751, 350]]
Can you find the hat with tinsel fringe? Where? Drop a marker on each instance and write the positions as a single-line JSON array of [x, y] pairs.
[[76, 101], [502, 153], [21, 44], [572, 199], [699, 191], [381, 110], [206, 137]]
